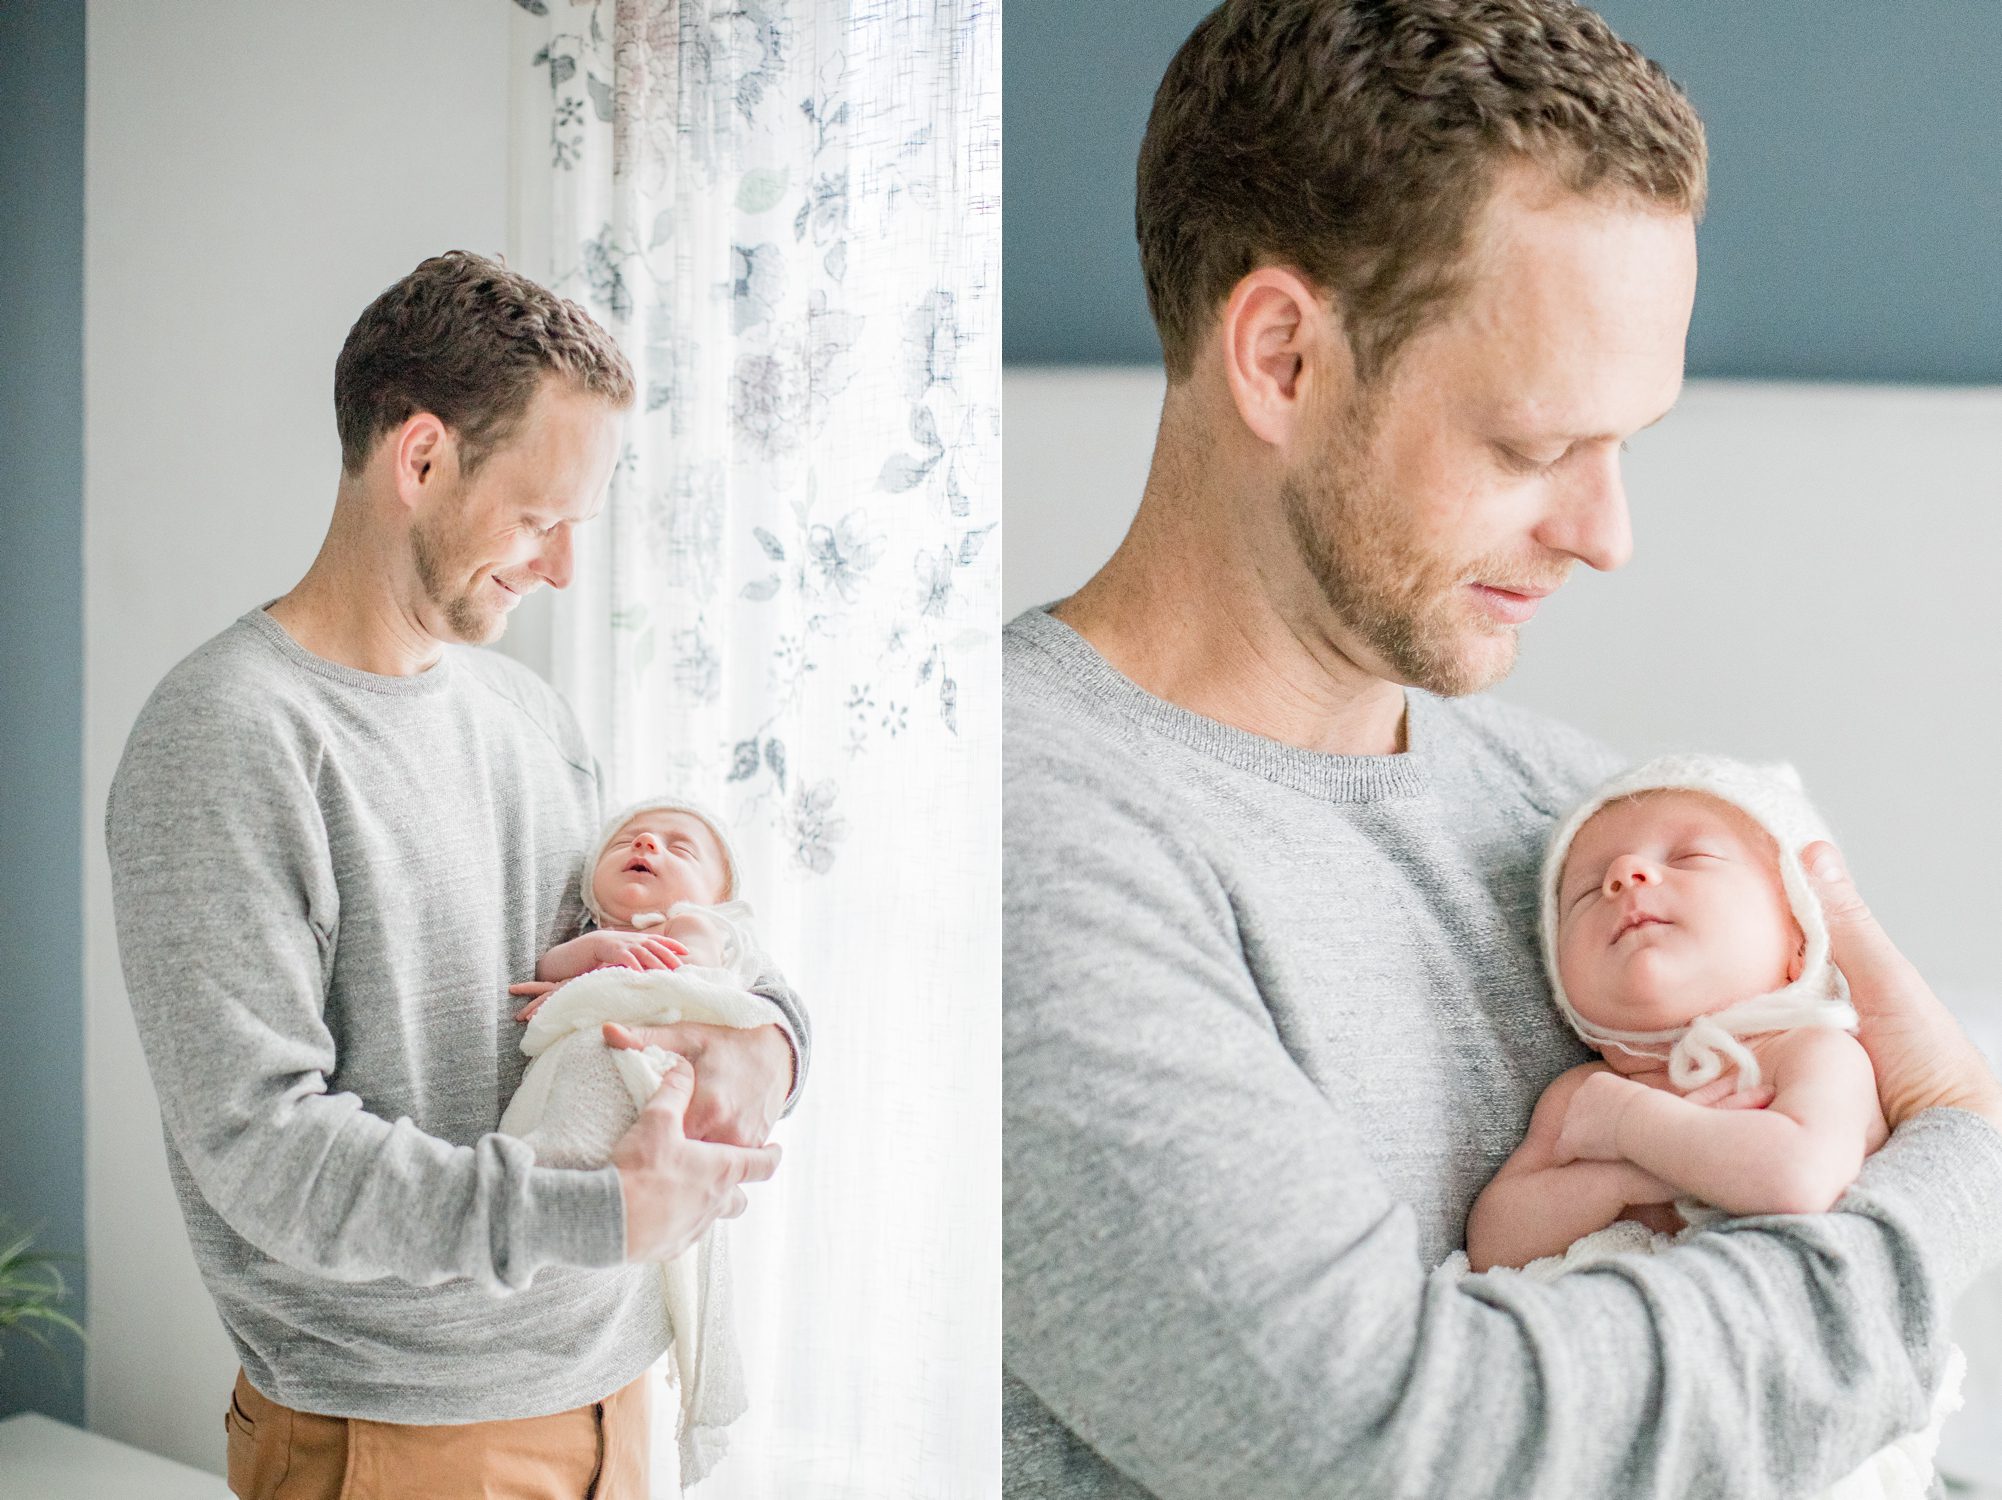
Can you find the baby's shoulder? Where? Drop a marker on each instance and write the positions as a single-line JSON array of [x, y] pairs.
[[1556, 1096], [1803, 1049]]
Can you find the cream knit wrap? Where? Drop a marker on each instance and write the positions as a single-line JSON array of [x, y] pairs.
[[578, 1097], [1700, 1051]]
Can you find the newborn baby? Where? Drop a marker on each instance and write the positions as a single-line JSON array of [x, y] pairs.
[[673, 943], [1684, 942]]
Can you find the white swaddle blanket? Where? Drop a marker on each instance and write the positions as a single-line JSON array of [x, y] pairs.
[[579, 1096], [1900, 1470]]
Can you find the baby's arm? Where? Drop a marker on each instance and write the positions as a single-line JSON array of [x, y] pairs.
[[1536, 1206], [608, 948], [1797, 1156]]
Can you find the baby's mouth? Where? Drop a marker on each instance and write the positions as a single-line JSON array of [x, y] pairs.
[[637, 863], [1638, 919]]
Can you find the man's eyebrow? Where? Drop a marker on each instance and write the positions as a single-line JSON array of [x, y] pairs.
[[1608, 437]]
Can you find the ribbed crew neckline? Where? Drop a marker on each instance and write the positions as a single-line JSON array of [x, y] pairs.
[[1334, 778], [433, 679]]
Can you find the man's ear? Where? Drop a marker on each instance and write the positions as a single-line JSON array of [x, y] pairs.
[[420, 452], [1279, 343]]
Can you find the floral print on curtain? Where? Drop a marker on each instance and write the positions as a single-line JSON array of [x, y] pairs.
[[790, 216], [788, 211]]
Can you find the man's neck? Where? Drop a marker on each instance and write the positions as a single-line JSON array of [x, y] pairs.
[[1189, 622], [345, 610]]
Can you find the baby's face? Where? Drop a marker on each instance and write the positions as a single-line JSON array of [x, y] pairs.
[[659, 858], [1670, 906]]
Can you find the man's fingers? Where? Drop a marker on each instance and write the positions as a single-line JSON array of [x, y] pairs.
[[1861, 948], [677, 1086], [753, 1163], [617, 1036]]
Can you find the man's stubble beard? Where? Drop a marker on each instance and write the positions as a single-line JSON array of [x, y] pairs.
[[432, 547], [1374, 572]]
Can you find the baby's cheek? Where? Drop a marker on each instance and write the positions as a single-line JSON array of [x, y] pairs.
[[1570, 969]]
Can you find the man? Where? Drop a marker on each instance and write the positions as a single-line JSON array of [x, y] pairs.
[[1273, 1008], [336, 836]]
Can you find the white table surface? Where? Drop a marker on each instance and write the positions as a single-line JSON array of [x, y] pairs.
[[43, 1459]]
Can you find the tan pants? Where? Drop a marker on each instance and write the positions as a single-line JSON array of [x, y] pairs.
[[594, 1452]]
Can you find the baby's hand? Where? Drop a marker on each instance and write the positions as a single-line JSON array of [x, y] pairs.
[[1592, 1120], [1723, 1093], [610, 950], [633, 950], [536, 987]]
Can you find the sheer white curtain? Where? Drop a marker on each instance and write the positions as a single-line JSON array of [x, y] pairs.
[[789, 214]]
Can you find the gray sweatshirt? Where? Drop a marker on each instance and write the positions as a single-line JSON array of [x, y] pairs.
[[324, 881], [1272, 1019]]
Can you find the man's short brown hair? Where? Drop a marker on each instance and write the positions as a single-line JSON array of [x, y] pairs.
[[1355, 140], [469, 341]]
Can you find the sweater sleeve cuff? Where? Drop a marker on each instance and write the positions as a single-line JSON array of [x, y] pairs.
[[1941, 1173], [798, 1064], [577, 1218]]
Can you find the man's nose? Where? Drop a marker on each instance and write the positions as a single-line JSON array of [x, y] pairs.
[[1588, 518], [1630, 870], [553, 563]]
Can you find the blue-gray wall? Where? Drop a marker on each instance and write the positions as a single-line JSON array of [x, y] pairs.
[[41, 669], [1855, 224]]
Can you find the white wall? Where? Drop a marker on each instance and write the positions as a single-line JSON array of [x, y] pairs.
[[255, 175]]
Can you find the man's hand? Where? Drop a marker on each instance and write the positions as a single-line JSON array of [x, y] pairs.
[[675, 1187], [742, 1075], [609, 950], [1921, 1055]]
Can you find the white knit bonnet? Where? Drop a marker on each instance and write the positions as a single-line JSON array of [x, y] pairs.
[[1700, 1051], [620, 819]]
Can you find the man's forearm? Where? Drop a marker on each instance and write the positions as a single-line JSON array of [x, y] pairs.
[[327, 1187], [1355, 1375]]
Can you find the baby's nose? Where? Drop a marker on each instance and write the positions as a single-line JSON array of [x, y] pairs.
[[646, 843], [1627, 871]]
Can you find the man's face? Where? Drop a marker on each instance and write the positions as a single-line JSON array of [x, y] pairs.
[[1437, 507], [483, 543]]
